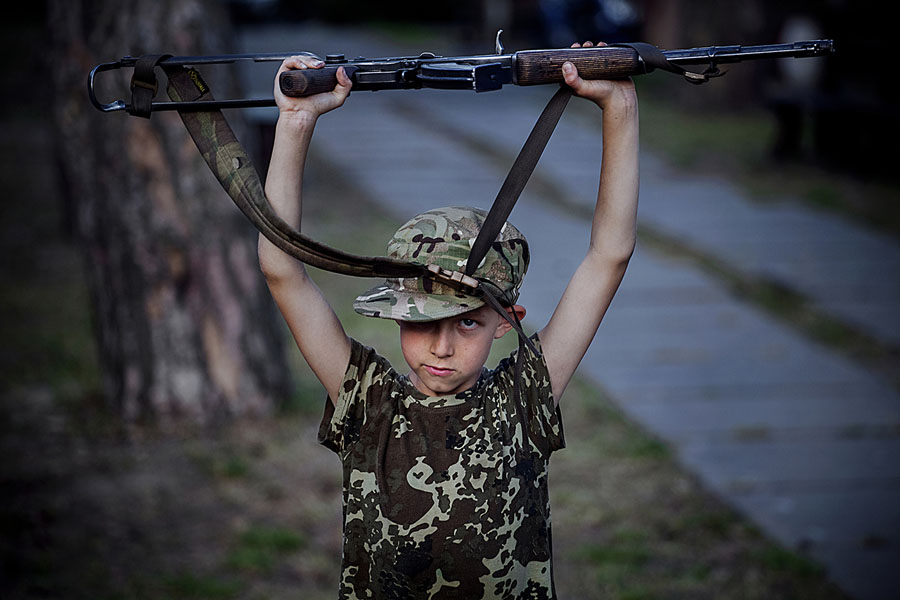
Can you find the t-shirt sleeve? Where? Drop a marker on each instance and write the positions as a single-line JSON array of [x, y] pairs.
[[343, 419], [545, 419]]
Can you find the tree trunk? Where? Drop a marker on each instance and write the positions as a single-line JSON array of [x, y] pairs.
[[184, 324]]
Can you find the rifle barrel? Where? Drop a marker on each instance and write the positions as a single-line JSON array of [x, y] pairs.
[[734, 54]]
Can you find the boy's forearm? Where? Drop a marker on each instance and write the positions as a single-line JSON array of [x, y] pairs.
[[613, 227], [615, 216], [284, 184], [284, 180]]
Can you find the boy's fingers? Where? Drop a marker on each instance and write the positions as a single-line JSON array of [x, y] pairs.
[[342, 78], [588, 44], [570, 75], [302, 61], [342, 89]]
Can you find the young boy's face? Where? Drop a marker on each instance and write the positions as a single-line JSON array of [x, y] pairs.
[[447, 356]]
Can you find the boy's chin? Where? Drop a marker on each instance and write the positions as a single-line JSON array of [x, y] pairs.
[[438, 386]]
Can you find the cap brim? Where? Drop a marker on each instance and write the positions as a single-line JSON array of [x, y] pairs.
[[387, 302]]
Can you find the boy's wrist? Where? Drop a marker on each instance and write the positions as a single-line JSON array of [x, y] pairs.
[[300, 119], [622, 100], [619, 110]]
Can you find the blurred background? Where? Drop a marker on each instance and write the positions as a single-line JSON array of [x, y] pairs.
[[733, 432], [844, 101]]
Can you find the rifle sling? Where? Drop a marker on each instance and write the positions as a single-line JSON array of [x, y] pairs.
[[518, 176], [231, 165]]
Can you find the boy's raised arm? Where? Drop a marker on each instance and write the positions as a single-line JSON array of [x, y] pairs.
[[567, 335], [313, 323]]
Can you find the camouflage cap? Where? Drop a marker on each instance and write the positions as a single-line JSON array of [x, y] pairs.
[[444, 237]]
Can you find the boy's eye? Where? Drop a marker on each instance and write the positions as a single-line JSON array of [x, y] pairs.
[[468, 323]]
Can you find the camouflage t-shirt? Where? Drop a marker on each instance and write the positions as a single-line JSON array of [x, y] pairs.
[[442, 496]]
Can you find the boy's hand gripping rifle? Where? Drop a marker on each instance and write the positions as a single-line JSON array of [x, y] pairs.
[[230, 163]]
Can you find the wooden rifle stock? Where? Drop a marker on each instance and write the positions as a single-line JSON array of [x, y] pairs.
[[536, 67]]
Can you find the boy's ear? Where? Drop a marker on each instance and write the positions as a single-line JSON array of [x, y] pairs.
[[514, 311]]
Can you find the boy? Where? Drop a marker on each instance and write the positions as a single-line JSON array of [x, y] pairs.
[[445, 469]]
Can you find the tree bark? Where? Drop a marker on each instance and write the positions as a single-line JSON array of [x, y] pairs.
[[184, 324]]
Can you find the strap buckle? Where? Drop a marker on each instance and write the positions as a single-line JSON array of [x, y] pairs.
[[153, 87], [144, 84], [455, 279]]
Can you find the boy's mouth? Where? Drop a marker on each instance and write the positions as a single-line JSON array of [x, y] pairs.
[[438, 371]]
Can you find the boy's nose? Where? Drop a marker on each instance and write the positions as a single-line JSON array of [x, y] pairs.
[[442, 342]]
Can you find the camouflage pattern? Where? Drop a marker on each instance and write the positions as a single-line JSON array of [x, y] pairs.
[[444, 497], [444, 236]]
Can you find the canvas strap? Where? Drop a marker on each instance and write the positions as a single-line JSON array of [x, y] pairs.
[[518, 176], [231, 165]]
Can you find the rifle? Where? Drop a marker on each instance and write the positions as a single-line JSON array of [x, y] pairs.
[[476, 73]]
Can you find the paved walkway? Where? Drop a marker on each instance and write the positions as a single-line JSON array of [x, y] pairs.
[[801, 439]]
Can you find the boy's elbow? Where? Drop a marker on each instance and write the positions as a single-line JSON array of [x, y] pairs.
[[628, 253], [265, 255], [624, 251], [619, 262], [281, 273], [270, 273], [615, 255], [276, 266]]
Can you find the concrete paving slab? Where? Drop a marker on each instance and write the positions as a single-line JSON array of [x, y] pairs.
[[736, 466], [806, 514], [864, 572], [856, 548], [814, 412], [813, 252]]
